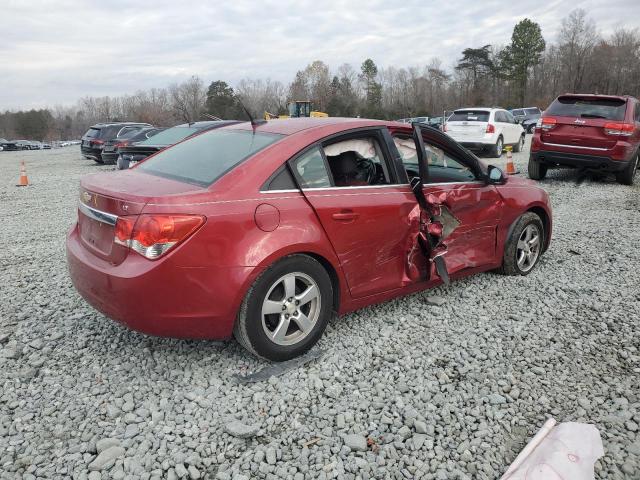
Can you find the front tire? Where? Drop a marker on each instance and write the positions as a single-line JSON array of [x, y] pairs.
[[537, 171], [627, 175], [286, 309], [524, 245], [496, 151]]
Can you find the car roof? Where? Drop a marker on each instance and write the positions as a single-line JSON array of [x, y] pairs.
[[115, 124], [595, 95], [290, 126], [482, 109]]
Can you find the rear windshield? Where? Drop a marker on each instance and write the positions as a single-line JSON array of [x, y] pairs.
[[469, 116], [517, 112], [203, 159], [532, 111], [608, 108], [170, 136], [92, 132], [129, 133]]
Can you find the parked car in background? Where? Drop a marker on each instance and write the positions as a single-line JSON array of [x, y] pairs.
[[24, 145], [110, 150], [435, 122], [94, 138], [264, 231], [598, 133], [485, 129], [129, 155], [527, 117], [46, 146], [9, 145]]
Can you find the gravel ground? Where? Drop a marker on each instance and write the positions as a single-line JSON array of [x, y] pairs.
[[407, 389]]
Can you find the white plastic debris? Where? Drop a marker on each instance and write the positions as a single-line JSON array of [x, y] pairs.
[[567, 451]]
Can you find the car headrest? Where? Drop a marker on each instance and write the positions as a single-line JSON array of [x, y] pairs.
[[345, 164]]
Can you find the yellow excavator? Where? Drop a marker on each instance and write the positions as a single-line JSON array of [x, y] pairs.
[[297, 109]]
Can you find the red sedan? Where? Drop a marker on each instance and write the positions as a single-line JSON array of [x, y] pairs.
[[265, 230]]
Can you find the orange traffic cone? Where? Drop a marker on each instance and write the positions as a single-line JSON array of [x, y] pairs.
[[24, 181], [511, 169]]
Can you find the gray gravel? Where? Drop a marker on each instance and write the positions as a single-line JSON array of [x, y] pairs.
[[450, 388]]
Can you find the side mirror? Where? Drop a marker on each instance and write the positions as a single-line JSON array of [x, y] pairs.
[[495, 176]]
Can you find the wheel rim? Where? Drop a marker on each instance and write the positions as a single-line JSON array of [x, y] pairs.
[[291, 308], [499, 147], [528, 247]]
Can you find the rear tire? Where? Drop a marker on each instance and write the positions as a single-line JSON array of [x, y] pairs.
[[537, 171], [520, 145], [524, 246], [261, 326], [626, 176], [496, 151]]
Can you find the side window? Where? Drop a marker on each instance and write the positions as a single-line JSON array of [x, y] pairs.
[[499, 117], [637, 112], [442, 167], [281, 181], [357, 162], [510, 118], [312, 170]]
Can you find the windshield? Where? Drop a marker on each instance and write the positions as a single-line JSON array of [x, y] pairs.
[[469, 116], [170, 136], [203, 159], [608, 108]]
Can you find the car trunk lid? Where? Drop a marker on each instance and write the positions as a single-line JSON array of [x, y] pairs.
[[579, 133], [105, 197], [579, 121], [467, 123]]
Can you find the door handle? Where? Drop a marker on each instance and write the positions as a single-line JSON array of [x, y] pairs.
[[345, 216]]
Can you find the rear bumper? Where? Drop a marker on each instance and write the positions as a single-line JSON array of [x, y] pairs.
[[578, 160], [160, 297], [94, 153], [476, 145]]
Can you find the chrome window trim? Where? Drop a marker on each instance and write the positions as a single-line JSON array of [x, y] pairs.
[[576, 146], [98, 215], [359, 187], [288, 190]]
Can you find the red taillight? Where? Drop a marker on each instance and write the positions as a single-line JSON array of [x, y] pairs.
[[491, 128], [122, 144], [97, 142], [153, 235], [619, 128], [124, 229], [547, 123]]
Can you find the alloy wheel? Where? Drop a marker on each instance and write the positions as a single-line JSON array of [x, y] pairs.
[[528, 249], [291, 308], [499, 148]]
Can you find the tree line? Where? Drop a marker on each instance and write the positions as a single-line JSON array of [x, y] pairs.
[[528, 71]]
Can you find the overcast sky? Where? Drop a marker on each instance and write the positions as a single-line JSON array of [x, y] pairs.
[[53, 52]]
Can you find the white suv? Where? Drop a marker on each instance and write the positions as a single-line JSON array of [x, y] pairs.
[[485, 129]]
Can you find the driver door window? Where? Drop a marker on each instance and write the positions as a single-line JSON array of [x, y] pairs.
[[357, 162], [442, 167]]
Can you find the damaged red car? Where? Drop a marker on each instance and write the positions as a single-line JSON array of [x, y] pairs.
[[264, 230]]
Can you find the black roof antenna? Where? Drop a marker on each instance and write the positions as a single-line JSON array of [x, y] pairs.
[[254, 122]]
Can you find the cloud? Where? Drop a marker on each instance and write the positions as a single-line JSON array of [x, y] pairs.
[[53, 52]]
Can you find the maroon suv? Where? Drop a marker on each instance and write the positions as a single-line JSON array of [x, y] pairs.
[[593, 132]]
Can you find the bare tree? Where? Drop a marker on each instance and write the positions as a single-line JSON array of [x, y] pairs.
[[187, 99]]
